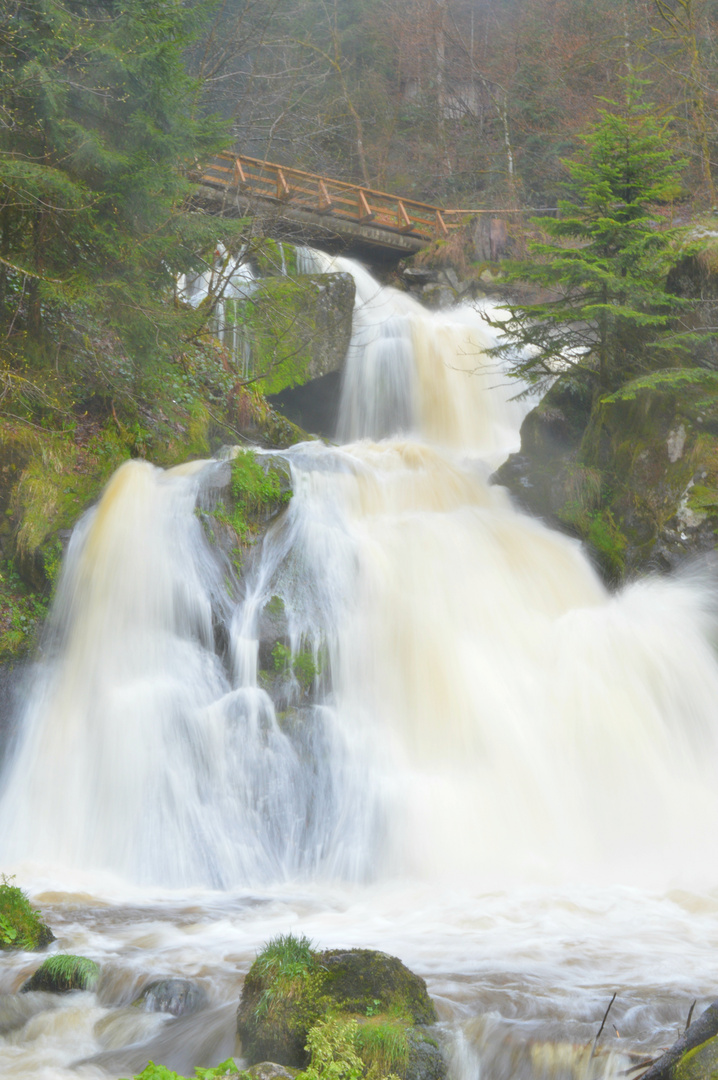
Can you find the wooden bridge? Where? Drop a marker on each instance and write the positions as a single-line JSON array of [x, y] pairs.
[[317, 210]]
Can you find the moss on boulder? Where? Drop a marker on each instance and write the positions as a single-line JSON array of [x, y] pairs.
[[21, 927], [63, 972], [299, 328], [291, 990], [636, 479]]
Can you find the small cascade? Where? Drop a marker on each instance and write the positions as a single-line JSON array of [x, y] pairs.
[[412, 371]]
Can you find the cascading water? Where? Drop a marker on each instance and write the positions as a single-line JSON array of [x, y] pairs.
[[500, 762]]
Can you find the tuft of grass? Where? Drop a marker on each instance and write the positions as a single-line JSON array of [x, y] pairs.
[[284, 961], [20, 925], [64, 972], [383, 1045]]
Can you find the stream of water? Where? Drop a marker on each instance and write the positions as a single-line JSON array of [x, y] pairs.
[[504, 775]]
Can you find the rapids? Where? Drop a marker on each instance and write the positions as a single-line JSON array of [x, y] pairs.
[[506, 776]]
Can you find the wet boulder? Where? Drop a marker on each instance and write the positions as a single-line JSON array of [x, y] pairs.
[[178, 997], [351, 1004], [62, 973]]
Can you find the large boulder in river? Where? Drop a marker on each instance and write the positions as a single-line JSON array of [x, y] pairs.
[[357, 1001]]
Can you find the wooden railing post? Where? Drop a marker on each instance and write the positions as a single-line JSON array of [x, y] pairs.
[[365, 211], [402, 218], [283, 191], [325, 202], [238, 176]]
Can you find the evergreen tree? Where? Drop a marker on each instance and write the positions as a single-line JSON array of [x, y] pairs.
[[604, 260], [97, 132]]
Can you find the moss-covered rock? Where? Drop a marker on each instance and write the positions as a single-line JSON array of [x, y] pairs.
[[299, 328], [291, 991], [637, 479], [273, 258], [21, 927], [701, 1063], [63, 972]]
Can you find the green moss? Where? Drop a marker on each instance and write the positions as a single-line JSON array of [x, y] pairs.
[[608, 541], [303, 664], [20, 925], [274, 607], [61, 973], [198, 431], [274, 257], [703, 499], [59, 481], [22, 611], [700, 1063]]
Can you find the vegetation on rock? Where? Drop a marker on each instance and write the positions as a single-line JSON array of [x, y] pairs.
[[338, 1013], [63, 972], [21, 927], [299, 328], [161, 1072]]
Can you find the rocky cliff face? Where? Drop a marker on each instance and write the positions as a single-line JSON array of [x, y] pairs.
[[637, 479]]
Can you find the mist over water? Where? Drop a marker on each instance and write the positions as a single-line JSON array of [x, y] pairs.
[[503, 770]]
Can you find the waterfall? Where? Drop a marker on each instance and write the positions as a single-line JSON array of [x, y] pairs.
[[411, 371], [484, 709]]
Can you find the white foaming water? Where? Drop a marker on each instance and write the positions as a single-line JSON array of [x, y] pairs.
[[502, 770]]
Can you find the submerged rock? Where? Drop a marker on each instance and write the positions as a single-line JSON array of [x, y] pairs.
[[63, 972], [176, 996], [356, 1001]]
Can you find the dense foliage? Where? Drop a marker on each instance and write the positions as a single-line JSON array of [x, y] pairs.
[[21, 927], [98, 132]]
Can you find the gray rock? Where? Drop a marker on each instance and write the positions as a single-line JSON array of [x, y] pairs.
[[269, 1070], [178, 997]]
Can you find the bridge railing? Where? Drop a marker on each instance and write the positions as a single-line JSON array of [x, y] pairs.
[[331, 198]]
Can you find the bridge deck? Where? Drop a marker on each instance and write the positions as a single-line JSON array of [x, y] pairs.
[[349, 212]]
